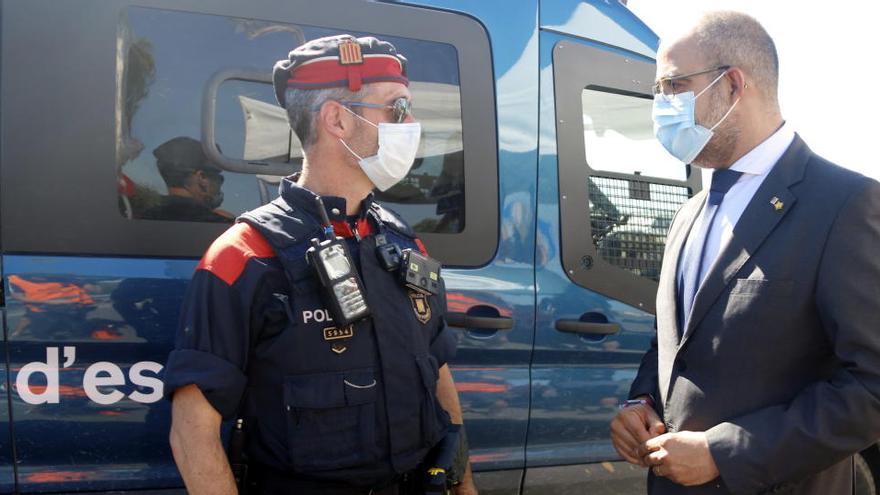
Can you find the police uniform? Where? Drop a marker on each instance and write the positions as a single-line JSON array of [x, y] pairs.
[[327, 408]]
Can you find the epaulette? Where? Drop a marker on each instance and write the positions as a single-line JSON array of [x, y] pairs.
[[392, 220], [282, 225]]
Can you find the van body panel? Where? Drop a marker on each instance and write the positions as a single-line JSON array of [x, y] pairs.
[[7, 456], [492, 367], [577, 381], [87, 341], [7, 473], [91, 316], [609, 23]]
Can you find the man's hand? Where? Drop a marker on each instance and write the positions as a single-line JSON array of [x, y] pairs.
[[631, 428], [466, 487], [683, 457]]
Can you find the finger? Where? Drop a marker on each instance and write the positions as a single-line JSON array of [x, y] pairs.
[[624, 436], [627, 448], [628, 455], [655, 458], [658, 470], [656, 427], [635, 424], [657, 442], [652, 445]]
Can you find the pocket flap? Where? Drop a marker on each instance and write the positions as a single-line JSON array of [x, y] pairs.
[[315, 391], [749, 286], [328, 390], [360, 386]]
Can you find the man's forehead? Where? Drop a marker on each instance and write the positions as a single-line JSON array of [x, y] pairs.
[[680, 57], [388, 91]]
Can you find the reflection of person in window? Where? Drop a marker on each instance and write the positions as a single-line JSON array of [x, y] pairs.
[[194, 184]]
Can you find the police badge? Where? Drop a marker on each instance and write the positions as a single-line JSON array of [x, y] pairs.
[[420, 306]]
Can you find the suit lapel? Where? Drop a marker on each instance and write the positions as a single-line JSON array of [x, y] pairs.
[[667, 320], [760, 217], [667, 294]]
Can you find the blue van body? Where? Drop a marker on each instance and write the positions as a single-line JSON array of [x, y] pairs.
[[82, 365], [533, 397]]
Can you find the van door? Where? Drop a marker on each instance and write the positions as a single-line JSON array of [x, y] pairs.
[[607, 192]]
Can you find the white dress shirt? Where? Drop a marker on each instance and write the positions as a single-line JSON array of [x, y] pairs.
[[755, 166]]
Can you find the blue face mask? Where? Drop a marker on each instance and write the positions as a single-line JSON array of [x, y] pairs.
[[675, 125]]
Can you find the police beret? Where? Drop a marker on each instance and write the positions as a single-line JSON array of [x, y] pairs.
[[182, 153], [339, 61]]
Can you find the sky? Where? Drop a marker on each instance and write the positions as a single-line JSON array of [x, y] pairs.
[[828, 77]]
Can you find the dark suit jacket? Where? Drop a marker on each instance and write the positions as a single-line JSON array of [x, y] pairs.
[[780, 363]]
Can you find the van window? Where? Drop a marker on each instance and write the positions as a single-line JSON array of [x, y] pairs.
[[618, 188], [169, 59], [629, 216], [147, 83]]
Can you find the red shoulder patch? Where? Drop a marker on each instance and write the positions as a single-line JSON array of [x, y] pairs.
[[421, 246], [229, 253]]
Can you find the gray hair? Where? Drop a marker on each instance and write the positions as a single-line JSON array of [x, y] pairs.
[[302, 106], [739, 40]]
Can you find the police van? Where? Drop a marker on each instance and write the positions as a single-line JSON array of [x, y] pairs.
[[538, 184]]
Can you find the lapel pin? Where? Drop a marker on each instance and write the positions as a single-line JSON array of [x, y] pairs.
[[777, 204]]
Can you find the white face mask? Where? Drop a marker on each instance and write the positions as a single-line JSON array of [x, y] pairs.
[[398, 144]]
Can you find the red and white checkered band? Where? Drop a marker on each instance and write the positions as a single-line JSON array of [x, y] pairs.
[[350, 53]]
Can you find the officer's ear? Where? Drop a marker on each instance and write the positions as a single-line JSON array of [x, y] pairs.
[[335, 120]]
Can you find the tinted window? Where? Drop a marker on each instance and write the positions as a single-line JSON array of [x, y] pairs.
[[169, 60]]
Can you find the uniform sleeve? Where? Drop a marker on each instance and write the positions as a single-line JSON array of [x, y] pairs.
[[212, 343], [443, 344]]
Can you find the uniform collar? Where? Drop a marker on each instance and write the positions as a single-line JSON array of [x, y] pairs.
[[303, 199]]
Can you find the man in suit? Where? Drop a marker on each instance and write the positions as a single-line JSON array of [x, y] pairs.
[[765, 371]]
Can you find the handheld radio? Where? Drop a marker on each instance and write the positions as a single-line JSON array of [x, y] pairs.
[[342, 286]]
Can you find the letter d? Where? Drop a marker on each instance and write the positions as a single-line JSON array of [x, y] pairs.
[[50, 369]]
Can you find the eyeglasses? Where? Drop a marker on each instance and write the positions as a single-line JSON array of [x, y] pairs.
[[667, 86], [400, 108]]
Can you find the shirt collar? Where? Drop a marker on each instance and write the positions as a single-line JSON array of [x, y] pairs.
[[760, 160]]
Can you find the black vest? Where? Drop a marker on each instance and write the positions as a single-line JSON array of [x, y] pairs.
[[361, 415]]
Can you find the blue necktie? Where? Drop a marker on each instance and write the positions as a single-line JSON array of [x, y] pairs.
[[692, 259]]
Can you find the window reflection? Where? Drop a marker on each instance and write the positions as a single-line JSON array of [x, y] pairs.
[[167, 59], [629, 217]]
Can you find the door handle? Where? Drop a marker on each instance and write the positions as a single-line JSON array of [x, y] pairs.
[[464, 320], [587, 327]]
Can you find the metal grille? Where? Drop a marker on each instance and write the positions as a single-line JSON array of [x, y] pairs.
[[629, 220]]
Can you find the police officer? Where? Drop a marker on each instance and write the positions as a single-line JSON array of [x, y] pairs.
[[327, 408]]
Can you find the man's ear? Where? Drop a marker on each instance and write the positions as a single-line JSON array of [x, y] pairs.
[[738, 82], [335, 120]]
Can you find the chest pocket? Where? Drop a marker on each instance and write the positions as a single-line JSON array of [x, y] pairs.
[[331, 419]]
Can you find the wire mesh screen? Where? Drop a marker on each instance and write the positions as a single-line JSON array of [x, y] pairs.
[[629, 220]]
